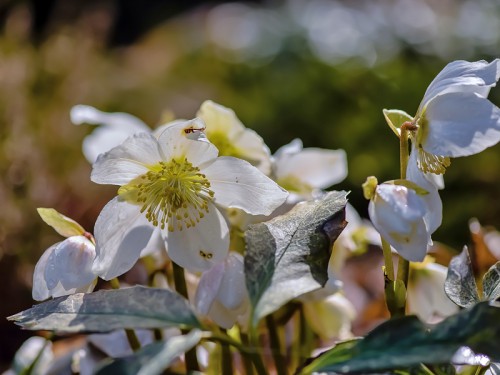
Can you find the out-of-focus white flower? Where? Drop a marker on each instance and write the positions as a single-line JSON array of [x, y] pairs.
[[303, 171], [331, 317], [65, 268], [33, 348], [114, 129], [426, 296], [232, 138], [222, 293], [455, 118], [398, 212], [174, 183]]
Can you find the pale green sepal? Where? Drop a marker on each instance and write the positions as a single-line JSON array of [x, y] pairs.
[[408, 184], [62, 224], [369, 187], [395, 118]]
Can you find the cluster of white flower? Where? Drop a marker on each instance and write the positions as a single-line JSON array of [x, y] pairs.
[[183, 186]]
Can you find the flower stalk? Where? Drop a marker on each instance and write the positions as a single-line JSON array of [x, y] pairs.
[[275, 344]]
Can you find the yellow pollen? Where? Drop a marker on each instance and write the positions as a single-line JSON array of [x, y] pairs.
[[172, 194]]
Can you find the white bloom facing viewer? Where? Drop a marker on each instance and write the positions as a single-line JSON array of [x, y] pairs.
[[174, 183]]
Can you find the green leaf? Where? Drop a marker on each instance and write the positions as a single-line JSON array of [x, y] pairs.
[[495, 369], [152, 359], [107, 310], [288, 256], [407, 342], [491, 283], [62, 224], [395, 118], [460, 285]]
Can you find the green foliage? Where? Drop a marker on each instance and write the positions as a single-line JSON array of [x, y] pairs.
[[63, 225], [491, 283], [460, 285], [288, 256], [407, 342], [152, 359], [107, 310]]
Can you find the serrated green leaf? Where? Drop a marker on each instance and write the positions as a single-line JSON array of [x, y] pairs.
[[406, 342], [460, 285], [62, 224], [395, 118], [288, 256], [491, 283], [152, 359], [107, 310]]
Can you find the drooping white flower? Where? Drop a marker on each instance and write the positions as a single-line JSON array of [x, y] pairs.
[[232, 138], [174, 183], [455, 118], [33, 349], [302, 171], [114, 129], [65, 268], [426, 296], [398, 212], [330, 317], [222, 293]]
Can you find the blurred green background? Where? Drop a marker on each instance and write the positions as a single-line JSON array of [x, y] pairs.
[[319, 70]]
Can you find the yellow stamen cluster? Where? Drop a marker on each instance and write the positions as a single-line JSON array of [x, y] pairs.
[[430, 163], [173, 194]]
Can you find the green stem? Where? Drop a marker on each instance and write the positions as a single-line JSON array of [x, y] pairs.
[[275, 344], [305, 336], [226, 358], [181, 288], [132, 339], [256, 354], [403, 270], [247, 360], [389, 265]]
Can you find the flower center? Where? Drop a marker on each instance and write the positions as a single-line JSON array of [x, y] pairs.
[[430, 163], [173, 194]]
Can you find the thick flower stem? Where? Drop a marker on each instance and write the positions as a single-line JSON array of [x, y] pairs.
[[133, 341], [275, 344], [256, 355], [389, 265], [181, 288]]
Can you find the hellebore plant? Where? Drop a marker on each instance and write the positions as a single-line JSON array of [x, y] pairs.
[[277, 299]]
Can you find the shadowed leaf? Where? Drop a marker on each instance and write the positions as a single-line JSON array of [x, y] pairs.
[[460, 285], [470, 337], [288, 256], [152, 359], [491, 283], [107, 310]]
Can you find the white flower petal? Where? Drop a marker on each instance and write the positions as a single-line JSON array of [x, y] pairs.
[[156, 243], [200, 247], [101, 140], [253, 149], [40, 290], [70, 264], [208, 287], [125, 162], [460, 124], [464, 76], [238, 184], [319, 168], [81, 114], [185, 139], [121, 233], [222, 316], [232, 292], [427, 181], [220, 119], [398, 215], [289, 149], [116, 345]]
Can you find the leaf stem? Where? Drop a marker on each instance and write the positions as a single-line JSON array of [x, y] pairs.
[[275, 345], [132, 339], [247, 360], [389, 265], [180, 286]]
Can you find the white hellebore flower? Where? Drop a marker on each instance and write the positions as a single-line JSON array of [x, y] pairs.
[[114, 129], [174, 183], [455, 118], [303, 171], [222, 293], [232, 138], [65, 268], [426, 296], [398, 212]]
